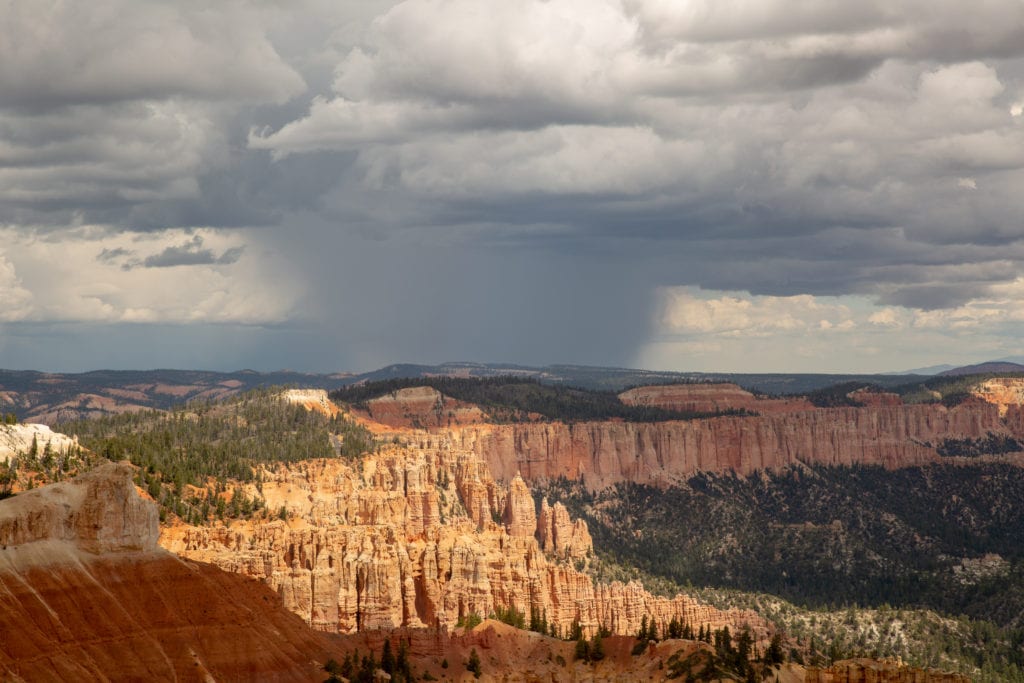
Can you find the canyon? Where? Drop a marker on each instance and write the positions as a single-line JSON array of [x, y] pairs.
[[435, 527], [440, 524], [86, 594]]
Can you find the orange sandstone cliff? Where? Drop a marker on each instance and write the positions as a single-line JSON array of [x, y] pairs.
[[604, 453], [421, 535], [1005, 392]]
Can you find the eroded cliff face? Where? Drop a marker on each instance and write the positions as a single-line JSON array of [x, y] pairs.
[[86, 594], [97, 512], [604, 453], [16, 440], [311, 399], [709, 398], [878, 671], [421, 535], [422, 407], [1005, 392]]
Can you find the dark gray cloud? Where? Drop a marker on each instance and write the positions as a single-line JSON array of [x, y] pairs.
[[516, 181], [934, 296], [113, 255], [191, 253]]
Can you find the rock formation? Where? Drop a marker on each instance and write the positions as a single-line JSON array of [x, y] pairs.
[[878, 671], [875, 399], [411, 536], [561, 536], [603, 453], [1005, 392], [88, 595], [520, 513], [311, 399], [98, 512], [422, 407], [709, 398], [17, 439]]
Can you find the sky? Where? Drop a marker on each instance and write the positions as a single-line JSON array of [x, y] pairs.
[[726, 185]]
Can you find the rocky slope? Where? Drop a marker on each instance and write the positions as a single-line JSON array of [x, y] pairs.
[[86, 594], [421, 535], [604, 453]]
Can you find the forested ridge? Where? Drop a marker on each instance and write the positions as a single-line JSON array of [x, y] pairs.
[[212, 445]]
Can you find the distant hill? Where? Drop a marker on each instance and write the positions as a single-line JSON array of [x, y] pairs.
[[930, 370], [618, 379], [983, 368]]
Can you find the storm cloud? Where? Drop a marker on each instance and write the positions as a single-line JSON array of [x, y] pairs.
[[605, 181]]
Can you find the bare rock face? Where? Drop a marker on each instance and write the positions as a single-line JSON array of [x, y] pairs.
[[406, 537], [604, 453], [16, 440], [1005, 392], [560, 536], [709, 398], [878, 671], [520, 513], [422, 407], [99, 512], [312, 399], [875, 398]]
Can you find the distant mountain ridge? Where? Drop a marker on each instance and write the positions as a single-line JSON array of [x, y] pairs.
[[981, 368], [54, 397], [929, 370]]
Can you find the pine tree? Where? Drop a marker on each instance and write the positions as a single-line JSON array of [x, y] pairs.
[[774, 654], [473, 665], [597, 647], [582, 652], [403, 669], [387, 658]]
